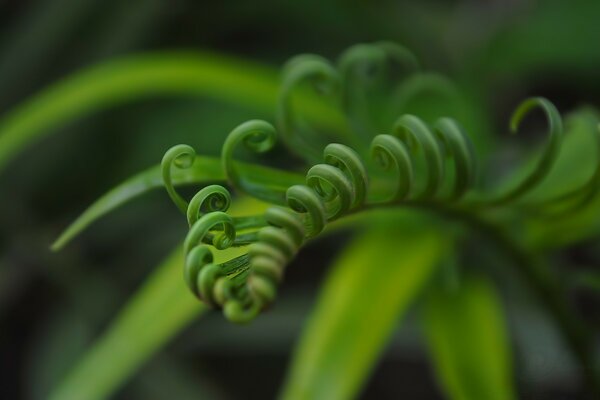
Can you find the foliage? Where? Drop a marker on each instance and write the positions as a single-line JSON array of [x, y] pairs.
[[422, 165], [373, 145]]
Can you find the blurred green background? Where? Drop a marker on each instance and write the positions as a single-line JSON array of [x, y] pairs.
[[53, 305]]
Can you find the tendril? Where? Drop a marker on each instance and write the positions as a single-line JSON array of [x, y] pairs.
[[257, 136], [417, 136], [390, 153], [458, 146], [349, 162], [363, 67], [211, 198], [323, 77], [307, 202], [180, 156], [549, 155], [337, 183]]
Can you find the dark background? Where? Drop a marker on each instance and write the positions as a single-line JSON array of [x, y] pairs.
[[52, 305]]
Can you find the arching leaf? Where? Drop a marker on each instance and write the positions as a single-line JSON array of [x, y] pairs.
[[204, 170], [370, 287], [159, 310], [468, 341]]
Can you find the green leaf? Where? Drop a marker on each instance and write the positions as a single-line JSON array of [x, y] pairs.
[[160, 309], [136, 77], [204, 170], [467, 336], [157, 311], [574, 167], [369, 289]]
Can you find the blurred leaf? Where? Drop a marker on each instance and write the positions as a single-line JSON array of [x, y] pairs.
[[160, 309], [368, 290], [586, 280], [468, 340], [136, 77], [575, 165], [204, 170], [156, 312]]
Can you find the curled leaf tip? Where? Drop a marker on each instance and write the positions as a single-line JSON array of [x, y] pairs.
[[182, 157], [431, 164], [550, 153]]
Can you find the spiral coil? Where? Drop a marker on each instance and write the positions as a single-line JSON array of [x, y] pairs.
[[415, 153]]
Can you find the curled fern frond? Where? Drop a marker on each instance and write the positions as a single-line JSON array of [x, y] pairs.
[[182, 157], [210, 199], [259, 137], [364, 68], [550, 153], [419, 138], [411, 163], [324, 79], [459, 148]]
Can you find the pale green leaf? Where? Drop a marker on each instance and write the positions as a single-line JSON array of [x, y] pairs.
[[205, 170], [159, 310], [575, 166], [368, 290], [468, 341], [141, 76]]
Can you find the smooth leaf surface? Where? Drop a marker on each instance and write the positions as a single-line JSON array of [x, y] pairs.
[[205, 170], [468, 341], [136, 77], [157, 311], [574, 167], [369, 288]]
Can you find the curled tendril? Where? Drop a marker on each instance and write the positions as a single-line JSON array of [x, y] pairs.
[[390, 153], [198, 268], [247, 284], [362, 67], [457, 146], [180, 156], [222, 240], [323, 77], [417, 136], [336, 184], [349, 162], [368, 62], [397, 152], [549, 155], [211, 198], [257, 136], [305, 201]]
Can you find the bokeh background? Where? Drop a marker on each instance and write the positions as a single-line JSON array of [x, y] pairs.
[[52, 305]]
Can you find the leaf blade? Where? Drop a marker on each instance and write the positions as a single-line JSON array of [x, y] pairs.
[[468, 341], [344, 336], [140, 76], [204, 170], [156, 312]]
